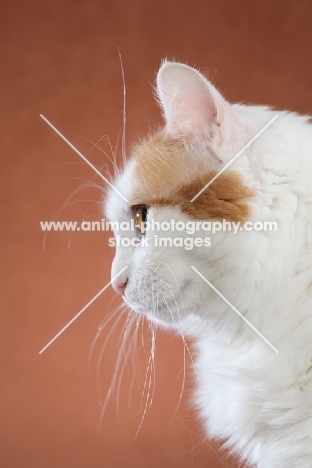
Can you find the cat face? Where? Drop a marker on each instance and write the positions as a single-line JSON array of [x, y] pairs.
[[161, 182]]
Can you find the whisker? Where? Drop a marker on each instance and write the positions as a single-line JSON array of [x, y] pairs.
[[142, 338], [134, 362], [113, 381], [153, 351], [67, 203], [148, 370], [102, 326], [175, 278], [182, 336], [184, 363], [134, 322], [95, 144], [123, 143], [99, 360]]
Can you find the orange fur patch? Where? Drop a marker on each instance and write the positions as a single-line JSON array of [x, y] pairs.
[[223, 199], [163, 163], [169, 173]]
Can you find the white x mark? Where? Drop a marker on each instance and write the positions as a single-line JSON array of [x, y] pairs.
[[81, 311], [84, 158], [234, 308], [235, 157]]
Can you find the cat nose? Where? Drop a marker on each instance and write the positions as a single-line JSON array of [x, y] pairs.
[[120, 286]]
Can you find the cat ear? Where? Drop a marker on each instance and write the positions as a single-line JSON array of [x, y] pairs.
[[191, 104]]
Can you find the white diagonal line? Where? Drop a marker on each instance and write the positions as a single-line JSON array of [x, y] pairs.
[[84, 158], [235, 310], [235, 157], [81, 311]]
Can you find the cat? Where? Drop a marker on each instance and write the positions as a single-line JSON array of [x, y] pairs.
[[253, 364]]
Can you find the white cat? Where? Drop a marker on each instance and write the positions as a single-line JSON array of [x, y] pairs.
[[257, 399]]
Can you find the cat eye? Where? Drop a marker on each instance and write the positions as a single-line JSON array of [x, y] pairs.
[[140, 216]]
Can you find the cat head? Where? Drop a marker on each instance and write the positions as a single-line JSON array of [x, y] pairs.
[[163, 182]]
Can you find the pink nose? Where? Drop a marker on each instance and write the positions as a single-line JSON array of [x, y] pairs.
[[120, 286]]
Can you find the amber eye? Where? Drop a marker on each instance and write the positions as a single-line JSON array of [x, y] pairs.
[[140, 216]]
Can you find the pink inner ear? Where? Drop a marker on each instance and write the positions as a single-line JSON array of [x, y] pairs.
[[188, 100]]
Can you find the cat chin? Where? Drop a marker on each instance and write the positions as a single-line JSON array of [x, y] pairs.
[[187, 326], [151, 317]]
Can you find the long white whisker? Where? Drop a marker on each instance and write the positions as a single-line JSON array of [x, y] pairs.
[[134, 361], [145, 381], [84, 158], [180, 331], [142, 338], [148, 370], [123, 143], [120, 359], [188, 350], [135, 319], [184, 365], [102, 326], [153, 350], [176, 281], [96, 145], [68, 203], [100, 357]]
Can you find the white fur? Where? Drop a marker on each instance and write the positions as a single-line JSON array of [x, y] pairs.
[[260, 402]]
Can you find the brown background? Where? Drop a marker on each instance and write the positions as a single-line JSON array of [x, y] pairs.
[[60, 58]]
